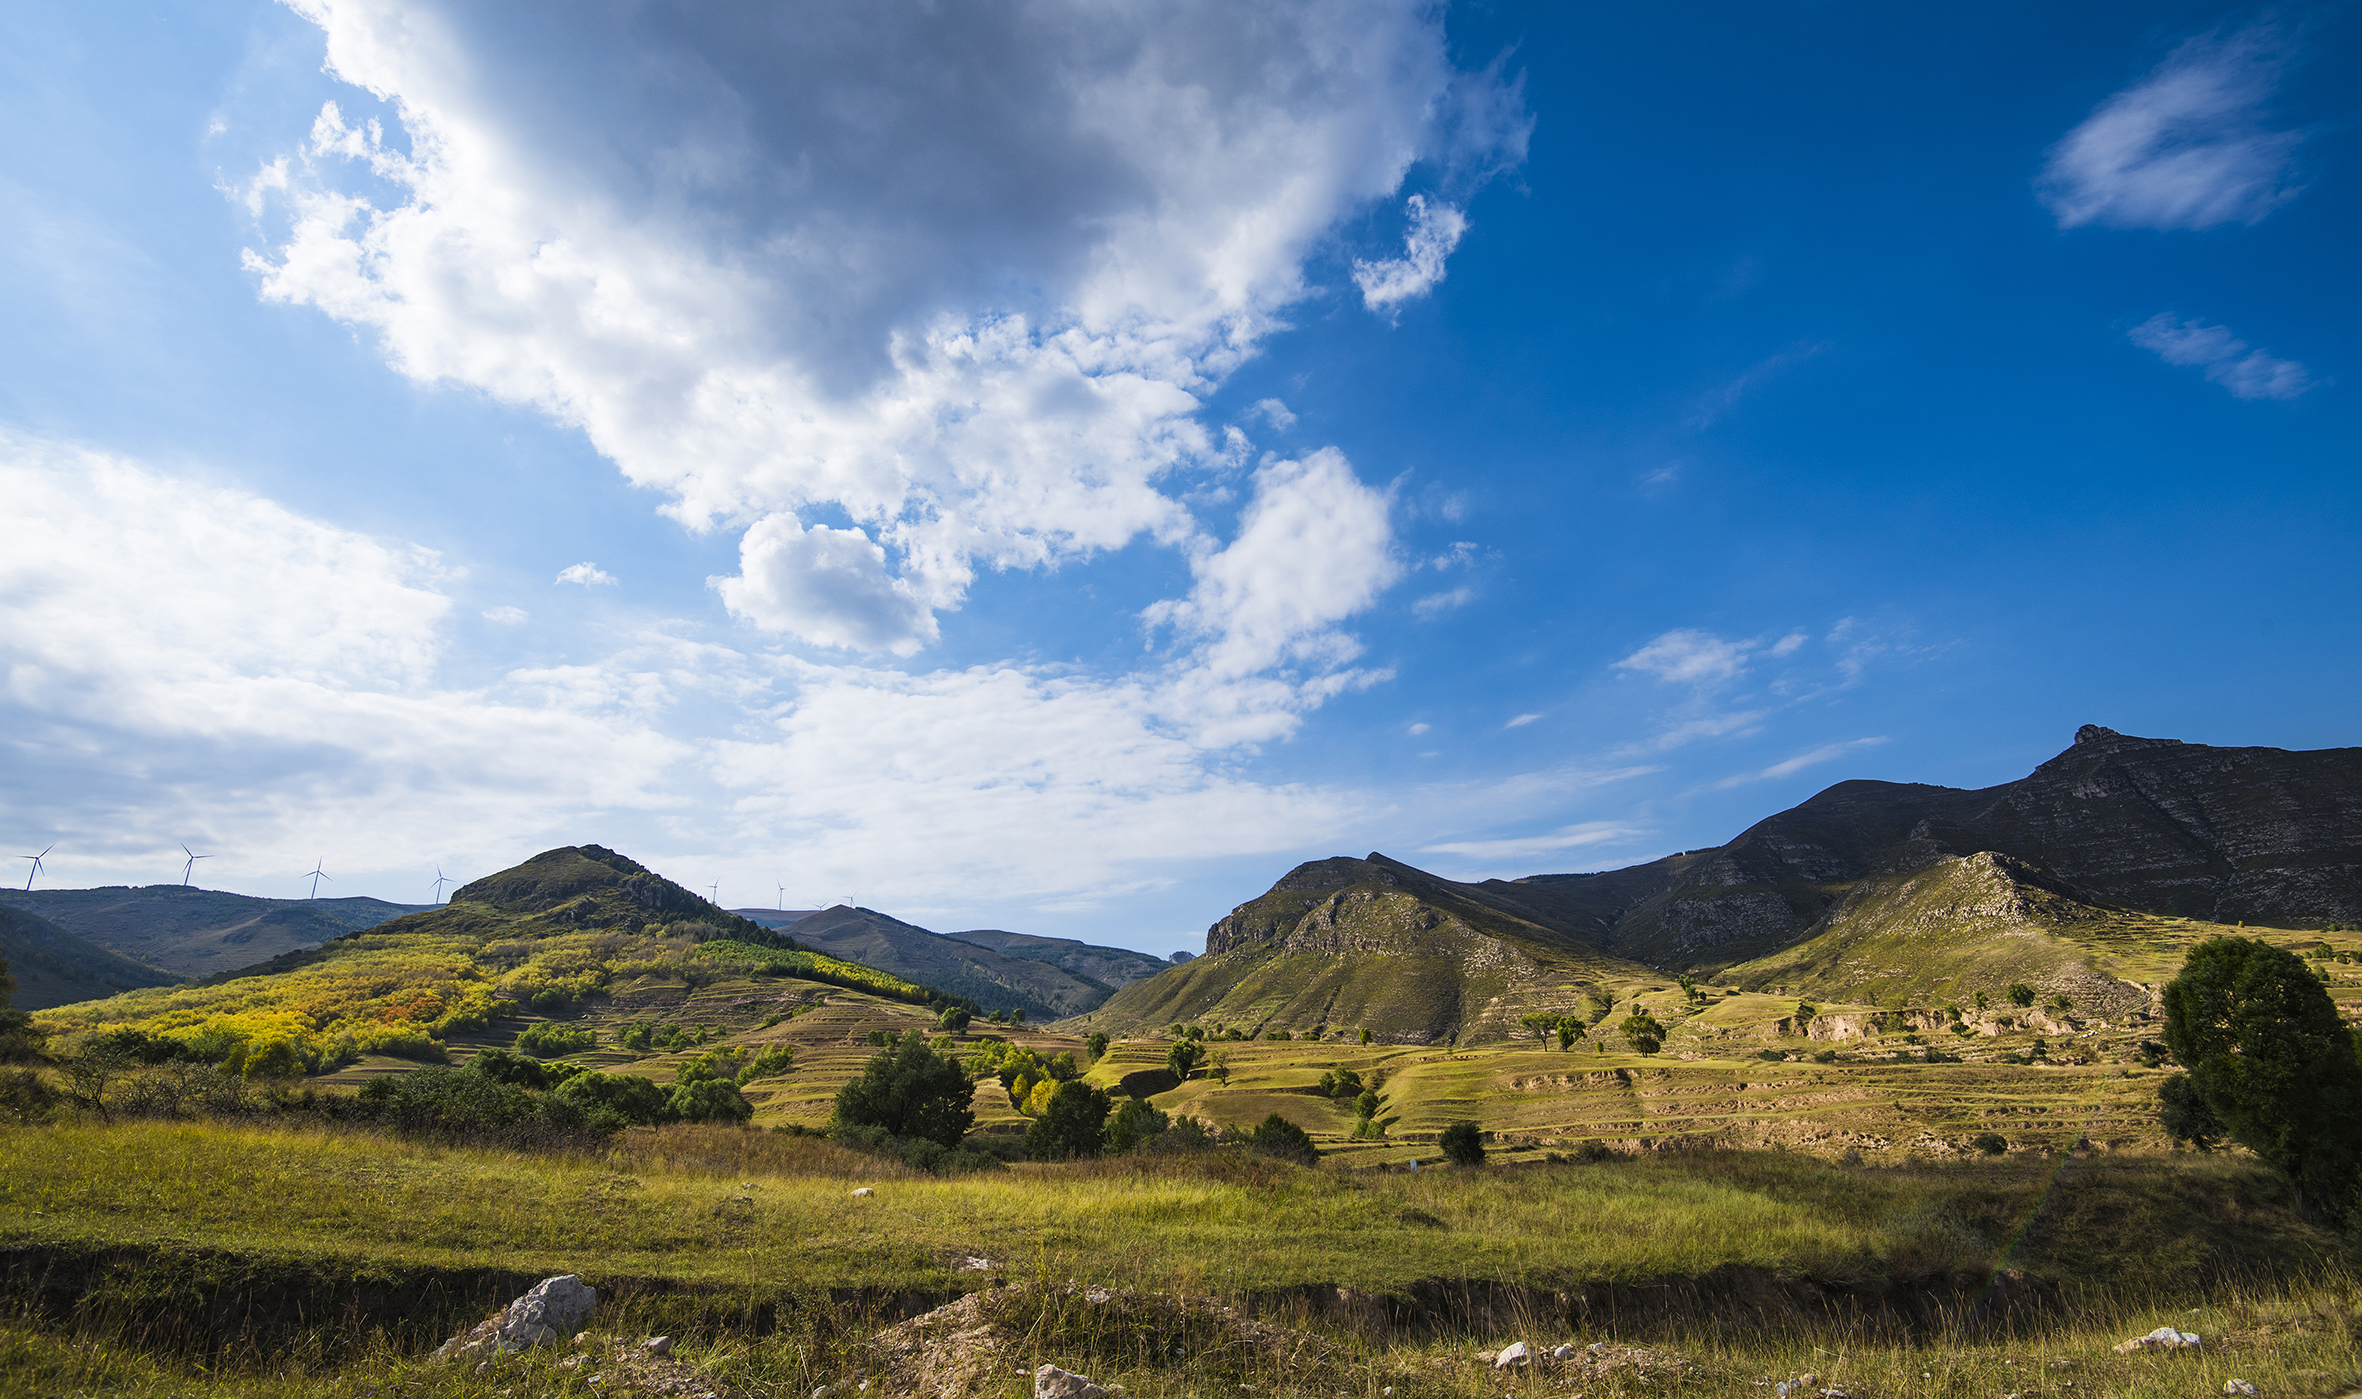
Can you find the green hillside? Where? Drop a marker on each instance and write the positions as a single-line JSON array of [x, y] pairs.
[[198, 932], [53, 967], [1345, 945], [570, 927], [1042, 989]]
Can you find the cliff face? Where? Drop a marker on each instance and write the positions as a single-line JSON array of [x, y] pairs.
[[2259, 835]]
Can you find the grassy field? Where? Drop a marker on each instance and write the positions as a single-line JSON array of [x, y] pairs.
[[1742, 1264]]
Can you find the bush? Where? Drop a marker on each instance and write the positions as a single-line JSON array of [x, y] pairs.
[[503, 1067], [1096, 1043], [1645, 1034], [953, 1019], [611, 1102], [1276, 1136], [1184, 1056], [910, 1091], [550, 1039], [2020, 994], [1135, 1124], [1989, 1143], [1462, 1143], [24, 1098], [773, 1061], [708, 1100], [455, 1105], [1073, 1123]]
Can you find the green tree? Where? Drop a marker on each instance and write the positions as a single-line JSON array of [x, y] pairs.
[[1184, 1056], [1365, 1035], [1643, 1032], [1276, 1136], [2186, 1116], [2020, 994], [1539, 1025], [1568, 1028], [1218, 1067], [2269, 1056], [910, 1091], [953, 1019], [1096, 1043], [1463, 1143], [1073, 1124], [614, 1101], [1134, 1124], [709, 1100]]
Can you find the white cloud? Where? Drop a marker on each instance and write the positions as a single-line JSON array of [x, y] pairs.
[[586, 573], [1436, 229], [1573, 837], [1417, 729], [1690, 657], [828, 586], [1787, 645], [1521, 721], [211, 665], [1434, 605], [2185, 148], [1799, 763], [507, 616], [964, 275], [1275, 413], [2227, 360]]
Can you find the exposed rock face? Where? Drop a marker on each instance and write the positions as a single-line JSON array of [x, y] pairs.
[[555, 1309], [2227, 834]]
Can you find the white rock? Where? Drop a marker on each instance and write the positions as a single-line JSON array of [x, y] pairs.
[[1050, 1382], [2163, 1338], [658, 1345], [1565, 1352], [863, 1193], [2239, 1387], [556, 1307], [1515, 1354]]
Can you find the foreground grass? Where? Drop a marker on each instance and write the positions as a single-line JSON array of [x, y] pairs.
[[731, 1207]]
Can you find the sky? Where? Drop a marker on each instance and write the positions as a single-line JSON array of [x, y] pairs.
[[1056, 466]]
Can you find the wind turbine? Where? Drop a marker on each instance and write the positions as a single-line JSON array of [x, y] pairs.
[[783, 898], [187, 869], [715, 889], [316, 876], [441, 879], [36, 869]]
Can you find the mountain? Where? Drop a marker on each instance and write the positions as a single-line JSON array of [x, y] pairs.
[[1044, 988], [1109, 966], [573, 925], [53, 967], [1342, 945], [2225, 835], [2071, 880], [197, 932], [774, 918]]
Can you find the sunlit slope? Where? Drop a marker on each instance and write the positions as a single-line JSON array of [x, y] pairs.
[[567, 928], [1344, 945]]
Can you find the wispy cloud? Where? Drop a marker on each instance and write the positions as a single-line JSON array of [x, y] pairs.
[[1436, 229], [2227, 359], [507, 616], [2185, 148], [1690, 657], [1711, 408], [588, 574], [1434, 605], [1573, 837], [1521, 721], [1799, 763]]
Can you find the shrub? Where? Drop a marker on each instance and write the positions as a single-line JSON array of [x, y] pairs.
[[1072, 1123], [24, 1098], [1184, 1056], [1989, 1143], [614, 1101], [1644, 1033], [550, 1039], [458, 1106], [708, 1100], [1135, 1124], [1096, 1043], [2020, 994], [953, 1019], [503, 1067], [1276, 1136], [910, 1091], [773, 1061], [1462, 1143]]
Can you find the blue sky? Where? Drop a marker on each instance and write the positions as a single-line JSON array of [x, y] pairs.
[[1055, 467]]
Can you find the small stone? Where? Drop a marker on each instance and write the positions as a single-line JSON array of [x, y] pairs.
[[1050, 1382], [658, 1345], [863, 1193], [1514, 1354], [2163, 1338], [1565, 1352], [2239, 1387]]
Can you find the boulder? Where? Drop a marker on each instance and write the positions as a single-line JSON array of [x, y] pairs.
[[555, 1308], [2163, 1338], [1515, 1354], [1050, 1382]]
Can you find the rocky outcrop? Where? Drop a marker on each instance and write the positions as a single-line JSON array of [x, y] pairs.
[[554, 1310]]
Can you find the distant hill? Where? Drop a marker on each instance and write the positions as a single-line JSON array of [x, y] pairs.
[[1343, 945], [53, 967], [569, 926], [774, 917], [1109, 966], [198, 932], [2070, 880], [1043, 989]]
